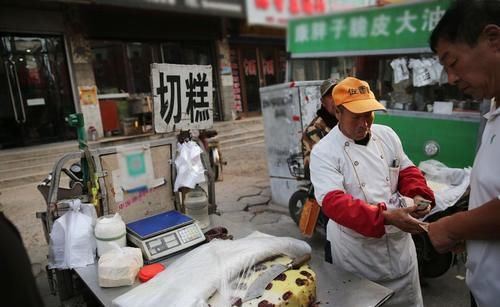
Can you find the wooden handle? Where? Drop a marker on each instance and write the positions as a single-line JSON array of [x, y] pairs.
[[299, 261]]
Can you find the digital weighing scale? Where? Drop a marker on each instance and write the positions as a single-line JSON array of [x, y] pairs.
[[163, 234]]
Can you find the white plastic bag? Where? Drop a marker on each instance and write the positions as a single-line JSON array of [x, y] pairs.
[[437, 171], [400, 70], [119, 266], [190, 170], [425, 71], [72, 241], [191, 279]]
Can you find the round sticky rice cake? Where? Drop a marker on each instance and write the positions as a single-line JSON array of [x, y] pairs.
[[294, 287]]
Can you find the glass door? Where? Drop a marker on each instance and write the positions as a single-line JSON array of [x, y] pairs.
[[250, 75], [35, 92], [258, 67]]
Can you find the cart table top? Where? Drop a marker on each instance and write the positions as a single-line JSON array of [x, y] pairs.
[[335, 287]]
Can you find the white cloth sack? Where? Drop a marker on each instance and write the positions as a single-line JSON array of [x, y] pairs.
[[448, 184], [72, 242], [190, 170], [192, 279], [119, 266]]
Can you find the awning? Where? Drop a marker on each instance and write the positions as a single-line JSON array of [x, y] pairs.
[[394, 29], [226, 8]]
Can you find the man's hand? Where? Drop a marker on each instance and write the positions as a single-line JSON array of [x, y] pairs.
[[402, 219], [420, 213], [441, 238]]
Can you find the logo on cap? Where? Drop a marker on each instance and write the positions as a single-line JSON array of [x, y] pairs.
[[360, 90], [355, 95]]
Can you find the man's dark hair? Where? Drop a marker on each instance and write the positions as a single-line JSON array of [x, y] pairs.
[[464, 21]]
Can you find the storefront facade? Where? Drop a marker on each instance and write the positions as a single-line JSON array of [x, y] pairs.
[[258, 59], [365, 43], [388, 47], [120, 58], [35, 79], [60, 58]]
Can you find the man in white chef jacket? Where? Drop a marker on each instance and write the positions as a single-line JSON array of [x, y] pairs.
[[367, 187]]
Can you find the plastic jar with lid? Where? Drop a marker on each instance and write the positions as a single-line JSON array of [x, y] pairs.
[[109, 228]]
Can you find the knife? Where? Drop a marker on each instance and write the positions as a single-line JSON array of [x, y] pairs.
[[259, 285]]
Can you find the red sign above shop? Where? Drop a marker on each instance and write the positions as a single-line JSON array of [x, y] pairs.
[[278, 12]]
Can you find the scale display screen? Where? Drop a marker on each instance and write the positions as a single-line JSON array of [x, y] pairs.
[[156, 224]]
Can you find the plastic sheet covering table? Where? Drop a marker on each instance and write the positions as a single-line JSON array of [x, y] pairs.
[[335, 287]]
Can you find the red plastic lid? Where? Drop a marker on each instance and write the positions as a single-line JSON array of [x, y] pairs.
[[149, 271]]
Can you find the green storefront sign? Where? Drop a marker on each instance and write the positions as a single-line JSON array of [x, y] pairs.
[[382, 30], [456, 137]]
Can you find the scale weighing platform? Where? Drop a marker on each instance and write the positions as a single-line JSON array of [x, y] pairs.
[[163, 234]]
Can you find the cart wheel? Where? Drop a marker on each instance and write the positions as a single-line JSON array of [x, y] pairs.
[[64, 284], [431, 263], [296, 204]]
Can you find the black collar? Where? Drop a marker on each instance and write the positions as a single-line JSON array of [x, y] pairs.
[[364, 141], [330, 120]]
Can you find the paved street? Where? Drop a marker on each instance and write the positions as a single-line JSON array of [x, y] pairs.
[[243, 196]]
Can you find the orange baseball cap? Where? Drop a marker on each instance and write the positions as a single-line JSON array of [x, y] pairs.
[[355, 95]]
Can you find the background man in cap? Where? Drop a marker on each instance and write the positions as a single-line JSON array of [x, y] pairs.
[[358, 171], [467, 41], [324, 121]]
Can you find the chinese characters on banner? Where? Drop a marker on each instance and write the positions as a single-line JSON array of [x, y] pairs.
[[182, 96], [250, 66], [392, 27], [236, 80]]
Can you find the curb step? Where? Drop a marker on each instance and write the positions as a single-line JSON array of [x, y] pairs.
[[241, 140], [237, 134], [19, 171], [36, 151], [259, 142], [33, 160], [29, 165], [22, 180]]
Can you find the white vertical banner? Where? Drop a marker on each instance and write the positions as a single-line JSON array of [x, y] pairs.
[[182, 97]]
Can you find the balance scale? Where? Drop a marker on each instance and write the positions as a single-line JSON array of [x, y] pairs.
[[163, 234]]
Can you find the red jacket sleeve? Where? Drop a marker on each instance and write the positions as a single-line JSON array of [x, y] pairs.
[[354, 213], [412, 183]]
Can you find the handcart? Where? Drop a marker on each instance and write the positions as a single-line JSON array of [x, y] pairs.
[[96, 185]]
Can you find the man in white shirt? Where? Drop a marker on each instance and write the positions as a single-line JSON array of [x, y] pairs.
[[467, 41]]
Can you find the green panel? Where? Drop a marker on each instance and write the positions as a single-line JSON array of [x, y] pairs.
[[122, 105], [457, 139], [387, 28], [136, 165]]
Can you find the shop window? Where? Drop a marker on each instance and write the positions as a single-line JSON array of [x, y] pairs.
[[307, 70], [416, 91], [109, 67], [187, 53], [140, 57], [268, 62], [124, 68]]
